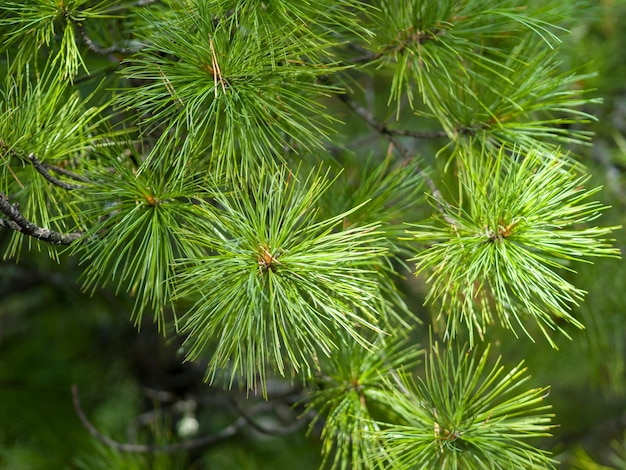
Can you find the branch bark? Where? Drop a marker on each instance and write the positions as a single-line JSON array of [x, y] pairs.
[[273, 431], [16, 221], [42, 168]]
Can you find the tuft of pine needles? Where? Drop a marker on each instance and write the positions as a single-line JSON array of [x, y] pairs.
[[464, 414], [275, 281], [500, 252]]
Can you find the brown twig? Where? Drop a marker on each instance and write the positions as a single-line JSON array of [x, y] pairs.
[[419, 134], [42, 168], [65, 172], [204, 441], [16, 221]]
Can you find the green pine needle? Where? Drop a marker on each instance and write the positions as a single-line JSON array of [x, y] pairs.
[[275, 281], [214, 86], [534, 105], [323, 16], [133, 239], [41, 116], [34, 24], [349, 398], [465, 416], [440, 46], [391, 192], [500, 255]]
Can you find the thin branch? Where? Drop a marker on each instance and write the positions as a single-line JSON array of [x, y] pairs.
[[180, 407], [65, 172], [299, 423], [93, 47], [43, 170], [418, 134], [367, 116], [16, 221], [161, 396], [205, 441], [382, 129]]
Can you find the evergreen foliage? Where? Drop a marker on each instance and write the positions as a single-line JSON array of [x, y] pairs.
[[278, 281], [233, 168], [510, 242], [461, 416]]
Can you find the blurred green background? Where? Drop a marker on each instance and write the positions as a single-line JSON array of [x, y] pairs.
[[132, 381]]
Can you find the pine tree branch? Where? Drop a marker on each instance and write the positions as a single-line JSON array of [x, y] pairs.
[[68, 173], [43, 168], [138, 3], [16, 221], [383, 130], [205, 441], [418, 134], [274, 431], [93, 47]]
